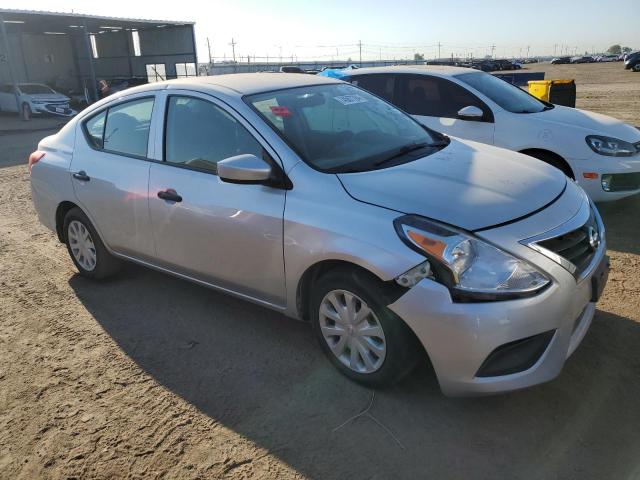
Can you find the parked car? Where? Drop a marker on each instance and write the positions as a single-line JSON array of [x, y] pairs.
[[485, 66], [560, 60], [503, 64], [34, 99], [291, 69], [632, 62], [608, 58], [385, 235], [581, 59], [601, 153]]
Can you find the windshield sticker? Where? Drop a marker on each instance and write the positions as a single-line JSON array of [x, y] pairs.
[[281, 111], [350, 99]]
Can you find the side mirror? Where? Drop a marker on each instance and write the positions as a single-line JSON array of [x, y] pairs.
[[246, 168], [470, 113]]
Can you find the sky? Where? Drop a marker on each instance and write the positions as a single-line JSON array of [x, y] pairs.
[[332, 29]]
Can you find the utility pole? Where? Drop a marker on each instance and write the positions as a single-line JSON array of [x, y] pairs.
[[439, 45], [493, 48], [209, 48], [528, 47], [233, 49], [360, 47]]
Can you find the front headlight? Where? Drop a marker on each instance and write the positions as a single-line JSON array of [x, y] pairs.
[[612, 147], [473, 269]]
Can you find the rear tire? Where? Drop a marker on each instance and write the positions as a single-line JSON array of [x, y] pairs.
[[636, 67], [384, 348], [85, 247]]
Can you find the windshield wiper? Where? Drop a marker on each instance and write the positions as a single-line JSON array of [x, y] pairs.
[[404, 150]]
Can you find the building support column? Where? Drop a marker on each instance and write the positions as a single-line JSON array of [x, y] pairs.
[[93, 88], [5, 38]]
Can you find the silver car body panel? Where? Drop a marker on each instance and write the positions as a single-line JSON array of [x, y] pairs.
[[257, 242]]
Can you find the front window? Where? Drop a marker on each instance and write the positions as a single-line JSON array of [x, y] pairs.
[[340, 128], [35, 89], [511, 98], [199, 134]]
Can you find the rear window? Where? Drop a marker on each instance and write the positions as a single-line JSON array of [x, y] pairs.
[[123, 128]]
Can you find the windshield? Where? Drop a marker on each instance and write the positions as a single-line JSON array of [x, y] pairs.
[[340, 128], [34, 89], [509, 97]]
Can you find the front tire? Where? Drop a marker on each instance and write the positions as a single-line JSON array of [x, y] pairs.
[[26, 111], [363, 339], [85, 247]]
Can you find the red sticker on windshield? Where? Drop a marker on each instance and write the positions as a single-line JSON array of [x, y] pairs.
[[281, 111]]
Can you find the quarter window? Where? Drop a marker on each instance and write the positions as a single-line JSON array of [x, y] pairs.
[[95, 129], [199, 134]]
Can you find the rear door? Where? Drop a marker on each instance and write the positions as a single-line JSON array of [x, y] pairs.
[[228, 235], [435, 102], [380, 84], [110, 173]]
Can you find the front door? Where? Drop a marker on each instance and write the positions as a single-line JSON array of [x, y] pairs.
[[228, 235], [435, 102]]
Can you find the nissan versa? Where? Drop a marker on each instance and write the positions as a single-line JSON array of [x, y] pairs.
[[315, 198]]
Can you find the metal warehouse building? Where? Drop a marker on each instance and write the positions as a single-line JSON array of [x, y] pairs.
[[72, 53]]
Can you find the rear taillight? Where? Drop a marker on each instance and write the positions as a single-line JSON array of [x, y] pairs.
[[34, 158]]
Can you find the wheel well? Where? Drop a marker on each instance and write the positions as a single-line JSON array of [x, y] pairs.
[[390, 289], [552, 159], [61, 212]]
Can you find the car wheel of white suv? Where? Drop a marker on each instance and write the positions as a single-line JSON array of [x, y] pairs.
[[85, 247], [365, 340]]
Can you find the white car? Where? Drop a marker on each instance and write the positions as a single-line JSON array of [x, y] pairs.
[[34, 98], [600, 153]]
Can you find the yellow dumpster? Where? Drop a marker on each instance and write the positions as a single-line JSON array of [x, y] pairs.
[[559, 92]]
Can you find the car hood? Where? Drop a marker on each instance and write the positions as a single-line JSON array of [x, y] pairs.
[[48, 97], [467, 184], [594, 123]]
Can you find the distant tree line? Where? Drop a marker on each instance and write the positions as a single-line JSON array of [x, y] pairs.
[[618, 50]]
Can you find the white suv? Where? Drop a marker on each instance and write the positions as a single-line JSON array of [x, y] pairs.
[[601, 153]]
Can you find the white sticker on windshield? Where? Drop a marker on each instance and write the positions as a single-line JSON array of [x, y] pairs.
[[350, 99]]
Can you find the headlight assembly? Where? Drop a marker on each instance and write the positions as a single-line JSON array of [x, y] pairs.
[[472, 269], [612, 147]]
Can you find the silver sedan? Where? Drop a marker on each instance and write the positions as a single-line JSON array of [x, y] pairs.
[[317, 199]]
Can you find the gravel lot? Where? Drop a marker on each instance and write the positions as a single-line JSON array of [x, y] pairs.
[[150, 376]]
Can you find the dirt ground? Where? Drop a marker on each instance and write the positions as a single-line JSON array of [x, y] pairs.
[[150, 376]]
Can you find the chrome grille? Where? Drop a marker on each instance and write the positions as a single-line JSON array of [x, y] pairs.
[[577, 246]]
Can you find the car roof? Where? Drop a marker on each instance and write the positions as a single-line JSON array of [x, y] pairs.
[[437, 70], [241, 83]]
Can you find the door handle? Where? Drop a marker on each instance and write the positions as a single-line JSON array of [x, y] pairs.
[[169, 194], [82, 175]]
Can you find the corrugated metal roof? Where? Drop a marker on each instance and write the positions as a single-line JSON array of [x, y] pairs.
[[89, 17]]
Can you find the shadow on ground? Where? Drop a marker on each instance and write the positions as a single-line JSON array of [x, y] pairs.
[[622, 221], [263, 376]]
